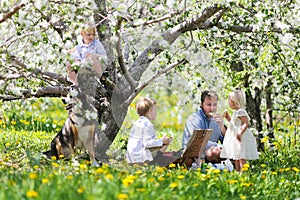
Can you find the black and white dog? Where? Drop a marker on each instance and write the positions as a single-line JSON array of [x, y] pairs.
[[78, 131]]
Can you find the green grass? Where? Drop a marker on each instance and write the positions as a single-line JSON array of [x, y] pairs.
[[26, 131]]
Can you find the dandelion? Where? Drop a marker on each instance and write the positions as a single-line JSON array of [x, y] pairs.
[[174, 185], [216, 171], [180, 176], [161, 178], [80, 190], [139, 172], [274, 173], [172, 165], [281, 170], [295, 169], [35, 167], [159, 169], [141, 189], [287, 169], [232, 181], [69, 177], [54, 164], [263, 165], [263, 176], [128, 180], [33, 175], [45, 181], [109, 176], [265, 139], [83, 166], [31, 194], [243, 197], [99, 171], [13, 122], [246, 184], [122, 196]]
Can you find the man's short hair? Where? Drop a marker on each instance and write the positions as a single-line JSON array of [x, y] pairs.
[[208, 93]]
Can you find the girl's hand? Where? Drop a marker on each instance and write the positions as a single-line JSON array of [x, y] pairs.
[[239, 136], [227, 116], [167, 140]]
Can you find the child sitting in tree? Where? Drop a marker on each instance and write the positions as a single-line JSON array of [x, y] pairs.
[[89, 48], [239, 143], [142, 138]]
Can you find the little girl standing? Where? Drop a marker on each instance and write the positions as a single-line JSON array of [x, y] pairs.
[[239, 143]]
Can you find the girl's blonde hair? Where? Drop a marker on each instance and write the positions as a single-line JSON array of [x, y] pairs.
[[239, 98], [143, 105], [88, 28]]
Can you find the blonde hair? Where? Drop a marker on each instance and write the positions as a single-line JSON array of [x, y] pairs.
[[239, 98], [88, 28], [143, 105]]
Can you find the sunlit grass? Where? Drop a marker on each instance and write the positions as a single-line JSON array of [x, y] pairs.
[[25, 174]]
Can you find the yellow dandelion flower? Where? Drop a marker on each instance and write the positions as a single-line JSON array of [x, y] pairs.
[[246, 165], [54, 164], [295, 169], [99, 170], [13, 122], [243, 197], [80, 190], [109, 176], [172, 165], [195, 185], [263, 176], [69, 177], [122, 196], [139, 172], [287, 169], [83, 166], [7, 144], [33, 175], [263, 165], [281, 170], [151, 179], [265, 139], [61, 156], [174, 185], [180, 176], [274, 173], [53, 158], [45, 181], [231, 181], [161, 178], [159, 169], [244, 169], [140, 189], [265, 171], [246, 184], [32, 194], [216, 171]]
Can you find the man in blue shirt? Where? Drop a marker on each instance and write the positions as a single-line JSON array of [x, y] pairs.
[[206, 118]]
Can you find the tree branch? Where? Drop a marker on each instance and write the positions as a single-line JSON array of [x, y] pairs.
[[48, 91], [167, 16], [151, 79], [12, 11], [131, 81]]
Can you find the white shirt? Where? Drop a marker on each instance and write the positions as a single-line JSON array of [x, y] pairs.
[[142, 137]]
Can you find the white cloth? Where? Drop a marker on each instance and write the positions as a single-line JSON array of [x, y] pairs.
[[234, 149], [142, 137]]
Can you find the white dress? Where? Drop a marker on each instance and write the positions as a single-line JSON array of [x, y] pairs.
[[234, 149]]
